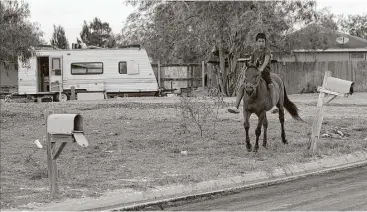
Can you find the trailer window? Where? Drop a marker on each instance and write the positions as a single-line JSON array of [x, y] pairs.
[[87, 68], [56, 66], [122, 68]]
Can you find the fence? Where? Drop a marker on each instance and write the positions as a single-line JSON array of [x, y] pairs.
[[301, 77], [179, 77], [298, 77]]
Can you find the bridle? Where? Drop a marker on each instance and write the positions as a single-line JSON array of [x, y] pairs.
[[250, 85]]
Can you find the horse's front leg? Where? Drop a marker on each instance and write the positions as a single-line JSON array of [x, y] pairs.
[[265, 124], [246, 124], [258, 129]]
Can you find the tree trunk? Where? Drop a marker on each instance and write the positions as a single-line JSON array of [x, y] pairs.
[[233, 58], [223, 77]]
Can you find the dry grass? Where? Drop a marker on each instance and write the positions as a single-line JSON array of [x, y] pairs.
[[136, 146]]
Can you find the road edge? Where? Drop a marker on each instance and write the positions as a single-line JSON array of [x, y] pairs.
[[159, 197]]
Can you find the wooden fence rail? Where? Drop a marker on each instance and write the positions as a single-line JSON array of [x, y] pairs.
[[298, 77]]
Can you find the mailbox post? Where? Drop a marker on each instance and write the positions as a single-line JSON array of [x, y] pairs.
[[61, 128], [332, 87]]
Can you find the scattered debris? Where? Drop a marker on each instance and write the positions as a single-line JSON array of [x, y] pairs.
[[200, 92], [184, 153], [340, 133], [113, 133], [335, 133], [325, 135], [38, 144]]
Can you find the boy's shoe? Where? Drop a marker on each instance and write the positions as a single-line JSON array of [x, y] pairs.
[[233, 110], [274, 110]]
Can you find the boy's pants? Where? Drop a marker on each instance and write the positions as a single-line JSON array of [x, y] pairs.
[[266, 76]]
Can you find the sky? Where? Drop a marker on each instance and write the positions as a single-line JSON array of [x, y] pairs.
[[345, 7], [71, 13]]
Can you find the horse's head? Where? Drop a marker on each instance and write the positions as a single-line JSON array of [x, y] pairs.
[[252, 80]]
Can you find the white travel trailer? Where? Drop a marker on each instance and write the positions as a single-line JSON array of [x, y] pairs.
[[123, 71]]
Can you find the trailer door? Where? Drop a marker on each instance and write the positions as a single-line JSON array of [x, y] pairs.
[[55, 74]]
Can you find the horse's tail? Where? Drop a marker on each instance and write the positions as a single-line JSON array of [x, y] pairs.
[[291, 107]]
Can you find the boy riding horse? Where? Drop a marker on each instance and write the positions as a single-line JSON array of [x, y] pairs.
[[260, 56]]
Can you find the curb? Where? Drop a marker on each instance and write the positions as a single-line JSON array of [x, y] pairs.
[[158, 197]]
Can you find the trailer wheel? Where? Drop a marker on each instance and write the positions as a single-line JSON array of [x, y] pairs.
[[61, 98], [31, 98]]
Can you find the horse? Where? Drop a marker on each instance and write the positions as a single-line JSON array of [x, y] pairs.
[[256, 99]]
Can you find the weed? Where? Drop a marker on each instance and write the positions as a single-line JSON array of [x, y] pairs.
[[35, 170], [195, 111]]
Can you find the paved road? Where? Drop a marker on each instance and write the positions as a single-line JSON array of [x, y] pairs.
[[346, 190]]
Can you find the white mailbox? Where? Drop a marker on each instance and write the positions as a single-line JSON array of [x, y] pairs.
[[339, 86], [67, 124]]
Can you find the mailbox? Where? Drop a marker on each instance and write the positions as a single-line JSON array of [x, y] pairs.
[[60, 128], [67, 125], [339, 86]]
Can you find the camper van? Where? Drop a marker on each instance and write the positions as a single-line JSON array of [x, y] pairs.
[[56, 73]]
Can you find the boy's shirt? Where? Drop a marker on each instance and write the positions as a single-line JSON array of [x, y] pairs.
[[259, 55]]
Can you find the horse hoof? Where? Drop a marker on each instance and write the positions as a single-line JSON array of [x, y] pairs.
[[249, 148], [265, 146], [285, 142], [255, 150]]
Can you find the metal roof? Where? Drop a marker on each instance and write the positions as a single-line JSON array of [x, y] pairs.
[[333, 50]]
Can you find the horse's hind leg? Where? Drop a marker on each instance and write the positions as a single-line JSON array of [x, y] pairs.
[[265, 124], [281, 119], [258, 130]]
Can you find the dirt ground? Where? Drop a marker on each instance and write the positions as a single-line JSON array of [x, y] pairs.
[[136, 144]]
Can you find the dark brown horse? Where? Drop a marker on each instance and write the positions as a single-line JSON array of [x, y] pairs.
[[257, 100]]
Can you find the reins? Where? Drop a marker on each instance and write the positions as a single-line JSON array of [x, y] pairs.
[[258, 82]]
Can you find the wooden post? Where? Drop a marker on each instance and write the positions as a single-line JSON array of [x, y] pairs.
[[159, 73], [203, 74], [58, 152], [60, 97], [188, 76], [192, 76], [72, 96], [317, 122], [51, 162], [330, 98]]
